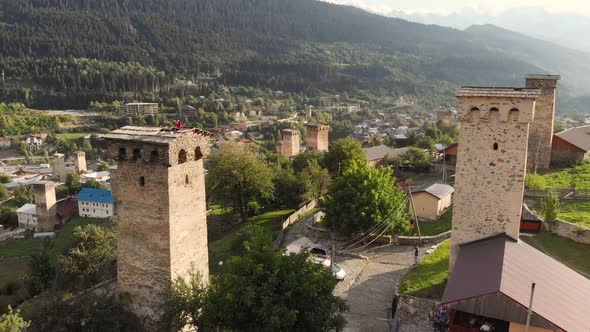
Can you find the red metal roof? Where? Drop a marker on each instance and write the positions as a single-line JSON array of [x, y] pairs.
[[67, 207]]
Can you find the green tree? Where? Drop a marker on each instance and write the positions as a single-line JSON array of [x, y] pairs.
[[316, 180], [73, 183], [5, 178], [92, 183], [413, 159], [364, 197], [42, 271], [302, 160], [264, 289], [3, 193], [289, 189], [550, 205], [24, 195], [102, 167], [183, 304], [90, 259], [342, 154], [12, 321], [238, 175]]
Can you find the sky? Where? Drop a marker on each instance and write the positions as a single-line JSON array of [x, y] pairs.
[[451, 6]]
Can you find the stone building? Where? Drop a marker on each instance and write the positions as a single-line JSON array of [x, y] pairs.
[[46, 208], [491, 162], [159, 190], [541, 129], [291, 143], [80, 162], [317, 137], [59, 166]]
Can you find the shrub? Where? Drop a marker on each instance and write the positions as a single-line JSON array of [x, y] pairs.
[[535, 181]]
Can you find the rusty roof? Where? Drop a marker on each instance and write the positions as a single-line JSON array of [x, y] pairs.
[[474, 91], [501, 265], [578, 136], [157, 135]]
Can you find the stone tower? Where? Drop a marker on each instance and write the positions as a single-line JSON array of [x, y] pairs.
[[541, 130], [291, 142], [80, 162], [59, 167], [45, 203], [491, 162], [159, 190], [317, 137]]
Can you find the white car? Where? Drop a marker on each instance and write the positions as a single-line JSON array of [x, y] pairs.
[[338, 272], [321, 255]]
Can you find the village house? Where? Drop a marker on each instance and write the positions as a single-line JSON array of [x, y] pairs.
[[376, 154], [431, 200], [27, 217], [5, 143], [95, 203], [140, 109], [34, 142], [102, 176], [571, 145]]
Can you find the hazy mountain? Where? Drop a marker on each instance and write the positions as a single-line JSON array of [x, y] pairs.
[[57, 52], [567, 29]]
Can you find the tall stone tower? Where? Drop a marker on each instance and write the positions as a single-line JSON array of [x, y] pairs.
[[45, 203], [317, 137], [80, 162], [291, 142], [491, 162], [159, 189], [59, 166], [541, 130]]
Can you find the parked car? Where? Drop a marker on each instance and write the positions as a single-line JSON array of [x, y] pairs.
[[338, 272], [321, 254]]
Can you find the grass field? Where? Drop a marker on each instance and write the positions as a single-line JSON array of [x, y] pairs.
[[577, 212], [225, 238], [428, 278], [436, 227], [573, 254], [72, 136], [13, 271], [578, 176], [11, 204]]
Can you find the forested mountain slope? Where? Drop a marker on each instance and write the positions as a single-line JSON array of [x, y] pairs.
[[65, 53]]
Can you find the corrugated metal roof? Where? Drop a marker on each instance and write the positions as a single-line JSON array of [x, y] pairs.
[[95, 195], [439, 190], [380, 151], [471, 91], [28, 209], [500, 265], [578, 136]]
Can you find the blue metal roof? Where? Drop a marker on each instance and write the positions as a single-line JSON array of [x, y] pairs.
[[95, 195]]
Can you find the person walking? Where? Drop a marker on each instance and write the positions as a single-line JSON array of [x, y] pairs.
[[416, 253], [178, 124]]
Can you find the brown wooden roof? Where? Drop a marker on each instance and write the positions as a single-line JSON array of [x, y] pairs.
[[578, 136], [500, 265]]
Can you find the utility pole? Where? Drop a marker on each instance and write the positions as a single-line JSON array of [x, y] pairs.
[[415, 216], [528, 317], [331, 256]]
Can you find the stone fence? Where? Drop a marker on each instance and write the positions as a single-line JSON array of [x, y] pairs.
[[411, 240], [412, 313], [292, 219], [571, 231], [562, 193]]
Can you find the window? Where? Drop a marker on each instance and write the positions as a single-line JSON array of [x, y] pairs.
[[198, 153], [136, 154], [495, 146], [182, 156], [154, 156], [186, 179], [474, 114], [142, 181], [513, 114], [494, 114], [122, 153]]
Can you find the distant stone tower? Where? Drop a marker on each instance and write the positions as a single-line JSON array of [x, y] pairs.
[[541, 130], [59, 166], [317, 137], [291, 142], [80, 162], [491, 162], [45, 204], [159, 190]]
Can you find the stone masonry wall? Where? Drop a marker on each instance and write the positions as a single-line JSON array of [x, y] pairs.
[[541, 129], [161, 219], [316, 137], [489, 181], [45, 202], [291, 143]]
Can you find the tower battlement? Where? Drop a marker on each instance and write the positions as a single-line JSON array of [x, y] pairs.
[[539, 81], [317, 127], [497, 104], [316, 137], [159, 186]]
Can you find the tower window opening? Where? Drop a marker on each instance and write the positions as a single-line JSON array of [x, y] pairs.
[[122, 153], [198, 153], [474, 109], [136, 154], [182, 156], [513, 114], [495, 146], [154, 155], [186, 179], [142, 181]]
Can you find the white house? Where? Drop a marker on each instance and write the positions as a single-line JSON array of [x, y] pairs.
[[95, 203], [102, 176], [5, 143], [34, 142], [27, 217]]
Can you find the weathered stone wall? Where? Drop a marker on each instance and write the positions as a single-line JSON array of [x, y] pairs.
[[59, 167], [291, 143], [491, 166], [541, 129], [316, 137], [571, 231], [80, 162], [161, 217], [45, 203], [413, 312]]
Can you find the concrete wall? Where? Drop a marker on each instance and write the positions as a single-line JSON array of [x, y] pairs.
[[541, 129], [489, 182], [95, 210], [161, 219], [412, 240]]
